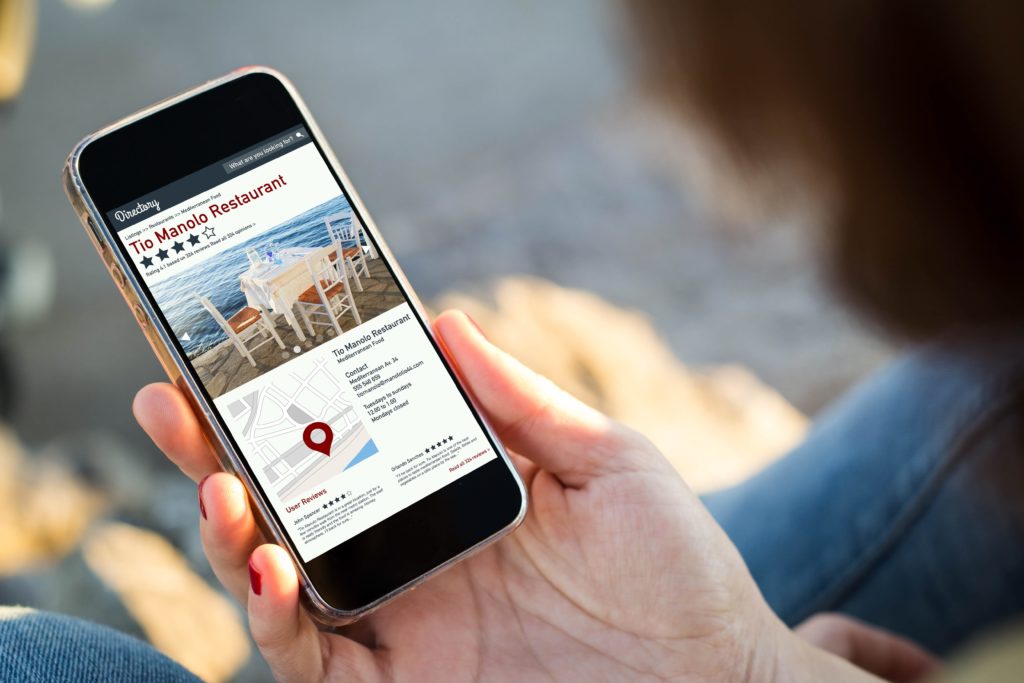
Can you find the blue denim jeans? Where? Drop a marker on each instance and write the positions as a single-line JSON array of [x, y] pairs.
[[36, 647], [904, 507]]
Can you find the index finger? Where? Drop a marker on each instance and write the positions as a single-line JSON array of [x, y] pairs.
[[164, 414]]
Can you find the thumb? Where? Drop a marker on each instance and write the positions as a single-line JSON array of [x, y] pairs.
[[532, 416]]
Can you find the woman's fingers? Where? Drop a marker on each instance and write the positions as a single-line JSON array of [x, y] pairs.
[[263, 578], [288, 639], [533, 416], [289, 642], [167, 418], [228, 531], [883, 654]]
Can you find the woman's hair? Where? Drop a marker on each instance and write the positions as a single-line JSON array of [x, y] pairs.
[[907, 117]]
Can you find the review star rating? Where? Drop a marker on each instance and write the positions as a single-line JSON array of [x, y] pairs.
[[434, 446], [337, 500], [164, 254], [208, 232]]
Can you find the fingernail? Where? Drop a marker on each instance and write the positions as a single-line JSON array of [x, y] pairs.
[[202, 507], [254, 578]]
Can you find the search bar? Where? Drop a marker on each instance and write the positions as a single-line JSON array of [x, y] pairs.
[[266, 150]]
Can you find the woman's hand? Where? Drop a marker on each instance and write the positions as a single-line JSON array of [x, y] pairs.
[[884, 654], [618, 572]]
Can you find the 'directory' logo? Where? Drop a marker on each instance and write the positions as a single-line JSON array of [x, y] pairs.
[[124, 214]]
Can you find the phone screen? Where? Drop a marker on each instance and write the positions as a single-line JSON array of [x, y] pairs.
[[295, 325]]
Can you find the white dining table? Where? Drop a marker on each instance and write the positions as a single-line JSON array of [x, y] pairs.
[[277, 286]]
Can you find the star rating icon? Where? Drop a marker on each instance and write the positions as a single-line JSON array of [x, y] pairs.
[[179, 247], [163, 254], [442, 442], [330, 503], [208, 232], [146, 262], [193, 239]]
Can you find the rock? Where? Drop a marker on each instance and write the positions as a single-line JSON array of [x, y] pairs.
[[141, 488], [717, 426], [133, 580], [179, 613], [69, 586], [62, 553], [44, 508]]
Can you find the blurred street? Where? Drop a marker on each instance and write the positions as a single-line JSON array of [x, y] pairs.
[[486, 140], [489, 141]]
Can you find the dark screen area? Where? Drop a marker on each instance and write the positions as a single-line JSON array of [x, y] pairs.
[[171, 143]]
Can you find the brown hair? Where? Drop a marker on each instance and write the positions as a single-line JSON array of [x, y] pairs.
[[910, 114]]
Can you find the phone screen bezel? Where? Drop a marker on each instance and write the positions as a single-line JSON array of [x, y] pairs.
[[213, 124]]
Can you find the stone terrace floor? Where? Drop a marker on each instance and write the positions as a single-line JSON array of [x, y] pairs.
[[222, 368]]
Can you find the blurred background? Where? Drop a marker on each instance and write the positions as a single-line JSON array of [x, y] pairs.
[[512, 161]]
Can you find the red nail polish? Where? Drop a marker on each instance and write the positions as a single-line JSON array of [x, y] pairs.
[[254, 578], [202, 507]]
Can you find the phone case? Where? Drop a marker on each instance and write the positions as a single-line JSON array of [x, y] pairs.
[[175, 366]]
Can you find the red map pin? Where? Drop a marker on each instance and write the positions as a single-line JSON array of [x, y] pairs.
[[320, 446]]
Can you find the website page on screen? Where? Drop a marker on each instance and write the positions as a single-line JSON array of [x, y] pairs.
[[295, 327]]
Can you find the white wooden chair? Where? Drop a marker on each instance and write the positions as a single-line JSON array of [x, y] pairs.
[[346, 230], [244, 327], [329, 296], [348, 221]]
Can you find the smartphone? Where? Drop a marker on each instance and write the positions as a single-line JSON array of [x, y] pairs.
[[273, 303]]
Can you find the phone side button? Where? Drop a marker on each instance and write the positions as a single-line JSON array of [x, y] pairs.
[[95, 229], [118, 275], [141, 316]]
